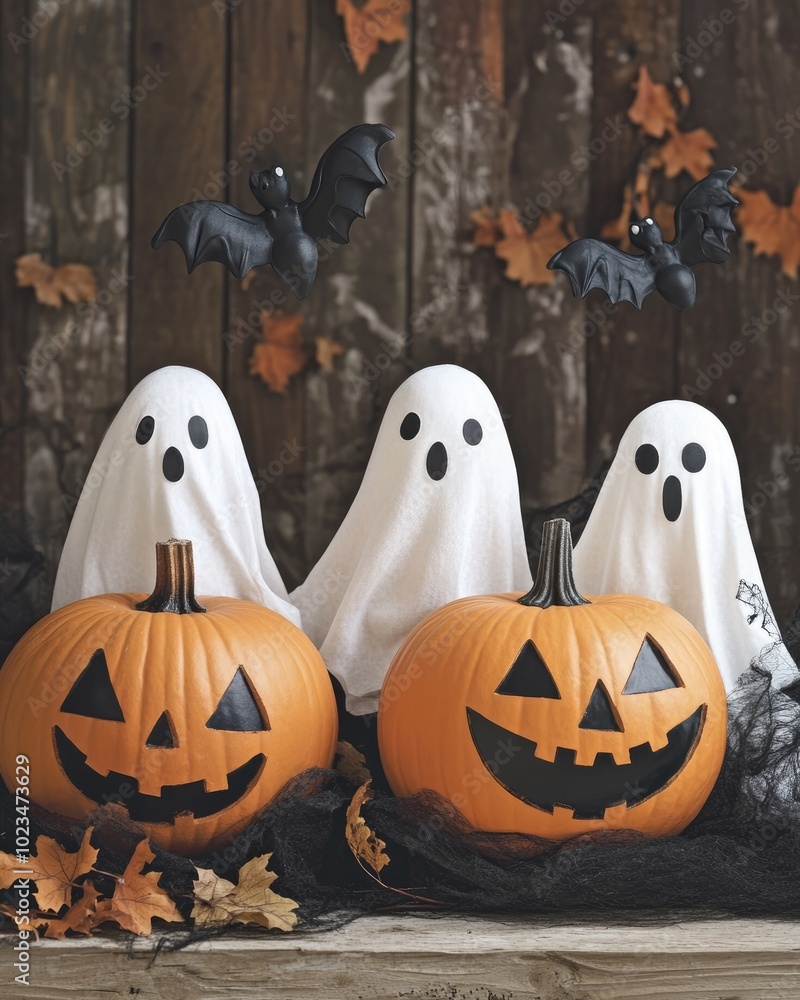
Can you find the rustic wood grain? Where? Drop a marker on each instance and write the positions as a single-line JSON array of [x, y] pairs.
[[360, 295], [78, 214], [631, 355], [536, 355], [179, 156], [744, 83], [449, 958], [13, 117], [267, 99]]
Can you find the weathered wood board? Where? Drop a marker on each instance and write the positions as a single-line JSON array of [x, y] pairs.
[[434, 958]]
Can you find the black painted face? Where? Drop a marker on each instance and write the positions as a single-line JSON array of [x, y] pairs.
[[93, 696], [693, 459], [587, 789], [436, 459], [172, 462]]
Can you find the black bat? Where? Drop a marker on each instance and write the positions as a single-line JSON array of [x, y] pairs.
[[287, 232], [702, 224]]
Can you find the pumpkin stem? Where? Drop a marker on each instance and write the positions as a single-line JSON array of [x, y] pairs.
[[554, 584], [174, 590]]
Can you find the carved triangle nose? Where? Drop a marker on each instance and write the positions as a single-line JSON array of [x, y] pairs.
[[162, 733], [600, 712]]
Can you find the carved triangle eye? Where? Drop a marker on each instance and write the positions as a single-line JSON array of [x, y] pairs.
[[238, 711], [162, 735], [92, 695], [600, 712], [529, 676], [651, 671]]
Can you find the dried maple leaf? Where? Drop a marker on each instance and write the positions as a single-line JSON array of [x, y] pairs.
[[55, 870], [351, 762], [689, 151], [487, 230], [326, 350], [250, 901], [280, 354], [374, 22], [74, 282], [653, 107], [771, 228], [138, 898], [526, 253], [364, 843], [82, 917]]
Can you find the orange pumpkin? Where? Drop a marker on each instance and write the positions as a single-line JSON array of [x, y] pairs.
[[191, 717], [555, 715]]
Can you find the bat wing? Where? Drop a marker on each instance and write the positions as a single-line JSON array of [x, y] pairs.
[[215, 231], [594, 264], [346, 176], [703, 220]]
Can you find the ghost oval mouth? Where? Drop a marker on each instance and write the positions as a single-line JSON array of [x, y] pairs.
[[436, 461], [190, 797], [587, 789]]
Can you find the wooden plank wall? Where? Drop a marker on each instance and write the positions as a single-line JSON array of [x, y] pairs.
[[490, 99]]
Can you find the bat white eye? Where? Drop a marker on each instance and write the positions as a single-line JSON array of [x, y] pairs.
[[649, 222], [634, 230], [279, 171]]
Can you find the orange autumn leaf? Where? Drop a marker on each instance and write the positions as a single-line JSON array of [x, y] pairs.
[[55, 870], [487, 230], [771, 228], [365, 844], [525, 252], [74, 282], [280, 354], [138, 898], [376, 21], [664, 215], [326, 350], [653, 107], [689, 151]]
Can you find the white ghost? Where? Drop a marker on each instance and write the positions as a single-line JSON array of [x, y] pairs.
[[172, 464], [437, 517], [670, 524]]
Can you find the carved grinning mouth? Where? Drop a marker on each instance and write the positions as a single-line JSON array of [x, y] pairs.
[[587, 789], [190, 797]]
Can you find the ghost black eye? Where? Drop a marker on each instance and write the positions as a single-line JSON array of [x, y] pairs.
[[145, 430], [647, 459], [198, 432], [410, 426], [693, 457], [472, 431]]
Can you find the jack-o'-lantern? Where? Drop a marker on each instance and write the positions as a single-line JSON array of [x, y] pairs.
[[553, 714], [190, 715]]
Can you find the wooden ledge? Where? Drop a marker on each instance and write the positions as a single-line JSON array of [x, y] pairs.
[[441, 958]]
